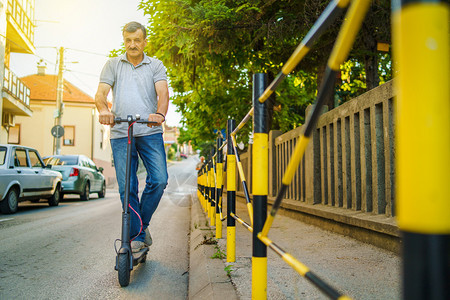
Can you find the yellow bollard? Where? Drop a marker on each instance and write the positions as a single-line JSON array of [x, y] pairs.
[[219, 181], [231, 195], [421, 51], [260, 173]]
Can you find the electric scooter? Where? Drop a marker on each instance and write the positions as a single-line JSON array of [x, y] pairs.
[[126, 259]]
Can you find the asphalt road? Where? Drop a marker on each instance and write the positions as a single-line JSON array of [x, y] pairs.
[[67, 252]]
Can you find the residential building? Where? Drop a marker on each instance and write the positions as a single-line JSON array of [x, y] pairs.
[[83, 134], [16, 35]]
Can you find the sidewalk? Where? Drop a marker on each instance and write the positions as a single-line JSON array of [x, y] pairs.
[[359, 270], [207, 277]]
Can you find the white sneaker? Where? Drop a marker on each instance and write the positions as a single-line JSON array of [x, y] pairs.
[[148, 238], [137, 246]]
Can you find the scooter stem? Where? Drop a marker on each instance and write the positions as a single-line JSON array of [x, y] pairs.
[[126, 211]]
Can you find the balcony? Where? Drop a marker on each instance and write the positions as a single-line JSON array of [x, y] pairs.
[[16, 95], [20, 27]]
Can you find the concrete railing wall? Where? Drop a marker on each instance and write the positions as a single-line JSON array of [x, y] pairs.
[[347, 173]]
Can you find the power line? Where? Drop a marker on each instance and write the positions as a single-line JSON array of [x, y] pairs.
[[83, 83], [84, 73], [88, 52]]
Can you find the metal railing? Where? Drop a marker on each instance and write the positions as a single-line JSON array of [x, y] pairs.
[[22, 17], [425, 227], [15, 87]]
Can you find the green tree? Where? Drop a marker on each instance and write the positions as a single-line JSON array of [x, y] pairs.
[[211, 48]]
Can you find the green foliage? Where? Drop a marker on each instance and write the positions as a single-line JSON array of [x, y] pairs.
[[211, 48], [219, 252], [384, 67], [294, 95], [352, 81], [228, 269]]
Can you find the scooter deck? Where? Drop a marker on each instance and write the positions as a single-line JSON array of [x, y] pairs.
[[140, 256]]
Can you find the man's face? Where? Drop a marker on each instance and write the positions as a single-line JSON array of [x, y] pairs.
[[134, 43]]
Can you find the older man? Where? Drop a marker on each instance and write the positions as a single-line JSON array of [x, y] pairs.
[[139, 85]]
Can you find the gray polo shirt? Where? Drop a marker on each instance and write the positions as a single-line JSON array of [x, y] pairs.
[[133, 91]]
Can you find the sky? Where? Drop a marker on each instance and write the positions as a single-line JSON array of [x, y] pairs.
[[88, 30]]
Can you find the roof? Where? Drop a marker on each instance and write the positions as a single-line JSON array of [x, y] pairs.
[[43, 87]]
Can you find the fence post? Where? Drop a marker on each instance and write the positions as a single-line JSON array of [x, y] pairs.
[[421, 42], [204, 186], [219, 179], [231, 194], [209, 176], [212, 211], [260, 182], [200, 186]]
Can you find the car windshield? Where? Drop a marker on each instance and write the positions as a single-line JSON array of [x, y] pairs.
[[2, 155], [61, 160]]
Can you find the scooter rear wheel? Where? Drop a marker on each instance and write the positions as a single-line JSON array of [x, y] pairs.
[[124, 269]]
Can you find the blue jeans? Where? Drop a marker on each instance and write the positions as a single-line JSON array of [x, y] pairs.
[[151, 150]]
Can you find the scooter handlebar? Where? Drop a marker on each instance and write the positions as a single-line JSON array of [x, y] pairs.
[[130, 119]]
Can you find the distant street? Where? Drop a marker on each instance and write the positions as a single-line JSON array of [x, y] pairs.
[[67, 252]]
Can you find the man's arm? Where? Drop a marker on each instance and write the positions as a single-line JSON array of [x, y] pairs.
[[101, 102], [162, 91]]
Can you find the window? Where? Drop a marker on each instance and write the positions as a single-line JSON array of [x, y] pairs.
[[14, 135], [69, 136], [61, 160], [20, 158], [2, 155], [91, 164], [34, 159]]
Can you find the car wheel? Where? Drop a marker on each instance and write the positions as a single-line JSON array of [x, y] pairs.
[[102, 193], [86, 191], [54, 199], [10, 203]]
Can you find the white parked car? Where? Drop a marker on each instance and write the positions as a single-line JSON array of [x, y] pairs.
[[24, 176]]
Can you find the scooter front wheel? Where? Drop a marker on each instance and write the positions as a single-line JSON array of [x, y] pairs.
[[124, 269]]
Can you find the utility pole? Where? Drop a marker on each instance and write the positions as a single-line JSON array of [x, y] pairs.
[[59, 98]]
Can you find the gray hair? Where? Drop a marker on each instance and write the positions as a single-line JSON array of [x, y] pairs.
[[133, 26]]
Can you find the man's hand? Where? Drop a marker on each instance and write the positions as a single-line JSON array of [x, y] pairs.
[[106, 118], [159, 119]]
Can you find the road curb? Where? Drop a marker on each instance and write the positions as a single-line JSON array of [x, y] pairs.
[[207, 277]]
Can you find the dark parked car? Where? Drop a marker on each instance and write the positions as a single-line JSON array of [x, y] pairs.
[[24, 176], [80, 175]]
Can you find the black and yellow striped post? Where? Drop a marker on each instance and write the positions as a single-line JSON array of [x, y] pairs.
[[200, 186], [421, 52], [231, 194], [219, 181], [260, 186], [212, 210], [210, 183], [204, 184]]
